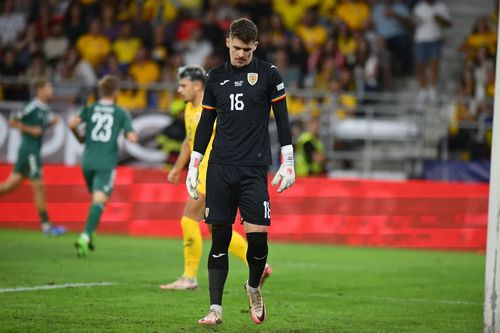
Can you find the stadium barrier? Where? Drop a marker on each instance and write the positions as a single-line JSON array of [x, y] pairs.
[[397, 214]]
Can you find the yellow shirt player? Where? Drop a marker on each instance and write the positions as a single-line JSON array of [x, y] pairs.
[[192, 115], [191, 86]]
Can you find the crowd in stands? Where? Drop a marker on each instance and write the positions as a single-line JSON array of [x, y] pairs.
[[347, 45], [470, 132]]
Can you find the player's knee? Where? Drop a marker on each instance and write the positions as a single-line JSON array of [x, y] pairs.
[[257, 247], [38, 185], [99, 197]]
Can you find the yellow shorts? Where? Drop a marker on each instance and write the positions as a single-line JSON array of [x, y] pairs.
[[202, 179]]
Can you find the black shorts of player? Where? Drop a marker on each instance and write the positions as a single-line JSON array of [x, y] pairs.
[[230, 187]]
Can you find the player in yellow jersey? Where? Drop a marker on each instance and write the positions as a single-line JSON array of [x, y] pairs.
[[191, 81]]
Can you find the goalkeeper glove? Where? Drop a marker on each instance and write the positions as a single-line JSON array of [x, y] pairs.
[[286, 172], [192, 176]]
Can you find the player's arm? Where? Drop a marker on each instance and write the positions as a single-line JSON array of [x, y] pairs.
[[31, 130], [180, 163], [286, 172], [73, 126], [132, 137], [130, 134], [53, 120]]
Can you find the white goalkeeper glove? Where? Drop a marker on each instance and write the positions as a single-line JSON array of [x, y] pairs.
[[286, 172], [192, 176]]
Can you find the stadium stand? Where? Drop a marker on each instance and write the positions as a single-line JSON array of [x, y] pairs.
[[344, 61]]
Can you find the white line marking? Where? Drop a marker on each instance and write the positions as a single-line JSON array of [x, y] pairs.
[[388, 299], [56, 286]]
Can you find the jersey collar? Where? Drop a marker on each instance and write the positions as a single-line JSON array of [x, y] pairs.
[[106, 102], [40, 103]]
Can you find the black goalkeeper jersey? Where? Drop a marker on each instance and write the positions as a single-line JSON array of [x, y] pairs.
[[242, 98]]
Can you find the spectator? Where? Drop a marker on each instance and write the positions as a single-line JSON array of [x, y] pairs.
[[43, 21], [346, 42], [126, 46], [325, 73], [159, 53], [431, 17], [143, 70], [141, 27], [312, 34], [297, 55], [290, 74], [290, 11], [483, 64], [196, 49], [160, 11], [392, 21], [481, 36], [26, 45], [110, 66], [110, 28], [74, 22], [212, 31], [309, 151], [355, 13], [94, 46], [10, 68], [12, 23], [131, 97], [38, 68], [278, 34], [56, 44], [72, 67]]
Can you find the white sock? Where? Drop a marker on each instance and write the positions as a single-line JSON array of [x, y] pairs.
[[252, 289], [216, 308], [85, 236]]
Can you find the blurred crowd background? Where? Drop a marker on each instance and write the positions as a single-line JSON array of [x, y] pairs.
[[351, 48]]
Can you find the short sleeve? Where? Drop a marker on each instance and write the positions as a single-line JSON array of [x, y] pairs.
[[277, 86], [442, 10], [127, 122], [209, 102], [25, 112]]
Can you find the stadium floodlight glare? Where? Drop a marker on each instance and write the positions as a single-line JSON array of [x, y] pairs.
[[492, 272]]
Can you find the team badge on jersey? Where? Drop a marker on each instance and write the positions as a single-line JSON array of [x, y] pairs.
[[252, 78]]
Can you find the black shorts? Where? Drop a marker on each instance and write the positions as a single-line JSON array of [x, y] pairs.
[[230, 187]]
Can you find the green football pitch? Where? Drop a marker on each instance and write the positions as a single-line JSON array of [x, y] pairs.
[[313, 288]]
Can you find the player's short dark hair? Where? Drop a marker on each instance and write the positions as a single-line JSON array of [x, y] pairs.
[[108, 85], [39, 83], [243, 29], [193, 73]]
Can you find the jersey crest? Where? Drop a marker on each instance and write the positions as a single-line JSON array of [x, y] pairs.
[[252, 78]]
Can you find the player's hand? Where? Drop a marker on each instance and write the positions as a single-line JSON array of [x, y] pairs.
[[192, 176], [173, 176], [192, 182], [13, 123], [286, 172]]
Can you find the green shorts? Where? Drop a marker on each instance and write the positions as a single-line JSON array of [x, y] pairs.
[[99, 180], [29, 164]]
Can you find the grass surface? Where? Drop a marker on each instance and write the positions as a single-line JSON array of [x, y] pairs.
[[313, 289]]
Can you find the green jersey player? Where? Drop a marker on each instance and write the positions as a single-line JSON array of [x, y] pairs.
[[104, 122], [32, 121]]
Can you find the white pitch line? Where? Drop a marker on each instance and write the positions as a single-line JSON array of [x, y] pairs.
[[388, 299], [56, 286]]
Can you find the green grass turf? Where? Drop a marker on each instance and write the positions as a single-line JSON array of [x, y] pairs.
[[313, 289]]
